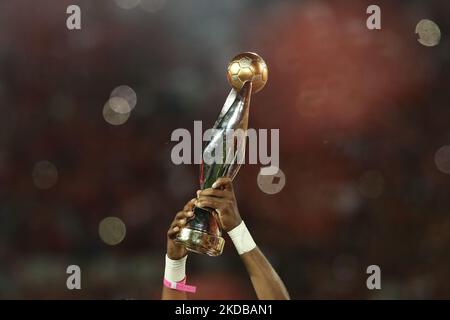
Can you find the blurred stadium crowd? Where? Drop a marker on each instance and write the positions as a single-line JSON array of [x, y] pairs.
[[362, 116]]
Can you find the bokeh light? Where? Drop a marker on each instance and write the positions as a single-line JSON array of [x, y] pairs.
[[429, 33], [442, 159], [112, 230], [119, 105], [347, 200], [126, 93], [271, 183], [45, 175], [113, 117]]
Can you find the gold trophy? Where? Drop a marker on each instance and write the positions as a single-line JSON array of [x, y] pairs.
[[247, 73]]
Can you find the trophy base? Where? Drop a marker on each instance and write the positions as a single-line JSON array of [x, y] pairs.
[[201, 242]]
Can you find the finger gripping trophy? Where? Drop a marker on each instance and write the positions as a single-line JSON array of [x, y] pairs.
[[225, 152]]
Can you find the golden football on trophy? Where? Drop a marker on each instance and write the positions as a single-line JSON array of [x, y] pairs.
[[247, 66]]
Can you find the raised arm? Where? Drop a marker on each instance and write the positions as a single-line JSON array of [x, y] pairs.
[[176, 256], [265, 280]]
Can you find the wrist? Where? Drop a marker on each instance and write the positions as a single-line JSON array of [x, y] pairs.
[[234, 224], [175, 256], [242, 239], [175, 269], [174, 250]]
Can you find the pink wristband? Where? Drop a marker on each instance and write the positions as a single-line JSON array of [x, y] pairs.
[[180, 286]]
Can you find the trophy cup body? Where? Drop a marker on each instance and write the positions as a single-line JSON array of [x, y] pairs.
[[225, 152]]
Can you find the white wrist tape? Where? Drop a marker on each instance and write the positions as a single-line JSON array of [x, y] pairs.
[[242, 239], [175, 270]]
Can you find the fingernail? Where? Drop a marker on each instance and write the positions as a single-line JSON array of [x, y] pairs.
[[176, 229], [198, 193], [215, 185], [190, 213]]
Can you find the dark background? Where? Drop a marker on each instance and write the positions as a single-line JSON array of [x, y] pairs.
[[361, 115]]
